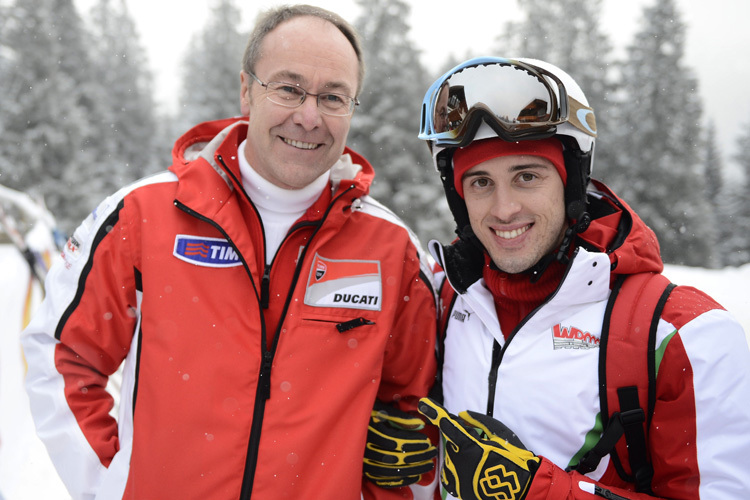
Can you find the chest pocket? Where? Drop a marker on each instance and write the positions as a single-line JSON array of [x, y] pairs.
[[344, 284]]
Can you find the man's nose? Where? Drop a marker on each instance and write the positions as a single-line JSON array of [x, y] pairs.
[[308, 114], [505, 204]]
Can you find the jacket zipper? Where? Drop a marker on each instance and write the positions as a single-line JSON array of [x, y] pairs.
[[498, 352], [263, 392], [265, 287], [497, 356], [264, 377], [353, 323]]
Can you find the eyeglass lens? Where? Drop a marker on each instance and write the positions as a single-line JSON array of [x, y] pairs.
[[289, 95]]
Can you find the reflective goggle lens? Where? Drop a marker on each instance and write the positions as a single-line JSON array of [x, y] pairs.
[[522, 100]]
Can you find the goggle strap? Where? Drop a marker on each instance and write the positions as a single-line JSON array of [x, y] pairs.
[[581, 117]]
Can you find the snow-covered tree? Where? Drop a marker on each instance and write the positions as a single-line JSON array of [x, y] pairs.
[[659, 140], [47, 100], [737, 201], [385, 125], [712, 167], [211, 68], [567, 33], [128, 118], [713, 175]]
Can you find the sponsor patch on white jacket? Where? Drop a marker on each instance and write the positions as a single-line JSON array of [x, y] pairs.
[[349, 284], [570, 337]]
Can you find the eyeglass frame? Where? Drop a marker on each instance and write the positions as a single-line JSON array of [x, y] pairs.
[[353, 100]]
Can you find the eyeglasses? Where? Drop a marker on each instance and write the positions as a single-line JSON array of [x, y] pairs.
[[518, 100], [291, 95]]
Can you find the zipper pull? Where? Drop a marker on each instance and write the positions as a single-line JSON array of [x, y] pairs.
[[264, 382], [265, 287], [354, 323]]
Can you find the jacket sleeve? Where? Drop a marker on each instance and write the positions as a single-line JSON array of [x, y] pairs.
[[700, 433], [78, 338], [410, 362], [551, 481], [699, 438]]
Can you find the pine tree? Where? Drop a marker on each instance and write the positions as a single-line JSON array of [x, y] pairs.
[[567, 34], [48, 99], [128, 119], [659, 139], [385, 126], [714, 188], [712, 167], [211, 68], [737, 203]]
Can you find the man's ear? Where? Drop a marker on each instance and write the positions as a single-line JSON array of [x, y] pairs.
[[245, 82]]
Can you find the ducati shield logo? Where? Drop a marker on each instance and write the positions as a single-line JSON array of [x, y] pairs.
[[320, 270], [349, 284], [208, 252]]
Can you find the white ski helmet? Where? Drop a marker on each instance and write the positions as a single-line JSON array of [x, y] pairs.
[[516, 100]]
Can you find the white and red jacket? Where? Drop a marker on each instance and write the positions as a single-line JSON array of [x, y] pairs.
[[547, 391], [240, 379]]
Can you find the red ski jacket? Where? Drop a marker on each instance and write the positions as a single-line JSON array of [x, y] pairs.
[[239, 378]]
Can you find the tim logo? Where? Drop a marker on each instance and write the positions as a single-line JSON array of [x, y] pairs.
[[573, 338], [209, 252]]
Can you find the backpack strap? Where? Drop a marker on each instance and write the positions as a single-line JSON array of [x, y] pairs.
[[627, 379]]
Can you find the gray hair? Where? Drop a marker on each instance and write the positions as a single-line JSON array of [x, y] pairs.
[[271, 18]]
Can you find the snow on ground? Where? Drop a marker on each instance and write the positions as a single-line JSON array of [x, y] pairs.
[[728, 286], [25, 470]]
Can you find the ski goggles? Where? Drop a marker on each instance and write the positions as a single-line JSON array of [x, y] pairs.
[[519, 101]]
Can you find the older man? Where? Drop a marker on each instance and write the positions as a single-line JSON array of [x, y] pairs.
[[260, 300]]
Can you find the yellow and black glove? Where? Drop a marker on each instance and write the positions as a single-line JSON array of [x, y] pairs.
[[397, 454], [484, 460]]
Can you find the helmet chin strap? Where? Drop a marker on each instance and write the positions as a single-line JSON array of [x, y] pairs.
[[576, 164]]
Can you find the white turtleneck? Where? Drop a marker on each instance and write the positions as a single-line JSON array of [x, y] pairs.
[[279, 208]]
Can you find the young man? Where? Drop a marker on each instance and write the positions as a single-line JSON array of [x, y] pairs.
[[255, 293], [524, 298]]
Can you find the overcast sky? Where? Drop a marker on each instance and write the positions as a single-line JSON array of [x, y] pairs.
[[717, 48]]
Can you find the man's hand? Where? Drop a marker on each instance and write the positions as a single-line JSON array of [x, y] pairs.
[[397, 454], [483, 458]]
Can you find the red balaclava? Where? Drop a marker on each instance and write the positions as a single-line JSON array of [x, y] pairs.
[[486, 149]]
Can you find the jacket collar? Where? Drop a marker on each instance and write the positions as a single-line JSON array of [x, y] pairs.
[[619, 232], [214, 144]]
